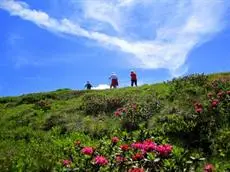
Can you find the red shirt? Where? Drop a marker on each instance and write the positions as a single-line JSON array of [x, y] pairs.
[[133, 76]]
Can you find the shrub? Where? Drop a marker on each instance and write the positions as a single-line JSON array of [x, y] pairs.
[[44, 105]]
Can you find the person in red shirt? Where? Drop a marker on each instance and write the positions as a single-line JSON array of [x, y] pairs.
[[133, 78]]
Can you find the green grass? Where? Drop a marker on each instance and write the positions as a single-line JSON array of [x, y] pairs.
[[33, 138]]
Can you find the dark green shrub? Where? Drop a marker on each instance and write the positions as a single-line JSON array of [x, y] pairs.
[[53, 121], [44, 105], [94, 103]]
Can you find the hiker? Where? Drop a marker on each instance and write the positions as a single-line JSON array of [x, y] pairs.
[[114, 81], [88, 86], [133, 76]]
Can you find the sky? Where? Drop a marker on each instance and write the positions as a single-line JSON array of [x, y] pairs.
[[53, 44]]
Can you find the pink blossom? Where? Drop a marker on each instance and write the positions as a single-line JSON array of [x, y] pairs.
[[124, 147], [117, 113], [215, 102], [115, 139], [100, 160], [198, 110], [138, 156], [66, 162], [136, 170], [209, 168], [164, 150], [149, 145], [87, 150], [137, 145]]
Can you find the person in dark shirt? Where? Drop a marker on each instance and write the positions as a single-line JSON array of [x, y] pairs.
[[133, 76], [88, 86]]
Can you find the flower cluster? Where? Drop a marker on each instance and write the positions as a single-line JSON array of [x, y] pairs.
[[146, 146], [120, 111], [138, 156], [124, 147], [128, 154], [149, 146], [198, 107], [66, 162], [115, 140], [136, 170], [100, 160], [164, 150], [87, 150], [208, 168]]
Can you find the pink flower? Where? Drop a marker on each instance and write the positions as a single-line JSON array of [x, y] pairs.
[[124, 147], [66, 162], [117, 113], [220, 94], [215, 102], [100, 160], [87, 150], [137, 145], [198, 105], [198, 110], [209, 168], [138, 157], [136, 170], [164, 150], [149, 145], [115, 140]]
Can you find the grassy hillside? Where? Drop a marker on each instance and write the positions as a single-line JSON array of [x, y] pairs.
[[179, 125]]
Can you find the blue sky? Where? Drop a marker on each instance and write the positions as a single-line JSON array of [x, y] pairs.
[[52, 44]]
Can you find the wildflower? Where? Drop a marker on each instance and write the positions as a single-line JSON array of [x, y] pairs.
[[117, 113], [198, 105], [164, 150], [136, 170], [209, 168], [137, 145], [66, 162], [198, 110], [215, 102], [115, 140], [220, 94], [124, 147], [100, 160], [87, 150], [149, 145], [138, 156]]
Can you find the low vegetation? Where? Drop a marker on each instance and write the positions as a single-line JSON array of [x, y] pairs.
[[179, 125]]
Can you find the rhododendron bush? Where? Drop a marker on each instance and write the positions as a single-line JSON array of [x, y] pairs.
[[117, 155]]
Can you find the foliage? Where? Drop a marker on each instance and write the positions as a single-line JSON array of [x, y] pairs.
[[37, 131]]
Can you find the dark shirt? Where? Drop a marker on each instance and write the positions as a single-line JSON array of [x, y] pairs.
[[88, 86]]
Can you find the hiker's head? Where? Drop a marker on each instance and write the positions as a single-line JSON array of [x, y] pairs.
[[87, 82]]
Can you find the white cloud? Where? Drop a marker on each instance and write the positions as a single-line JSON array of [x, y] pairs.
[[175, 27], [101, 87]]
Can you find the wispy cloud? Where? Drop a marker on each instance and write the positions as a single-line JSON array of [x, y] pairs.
[[174, 27]]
